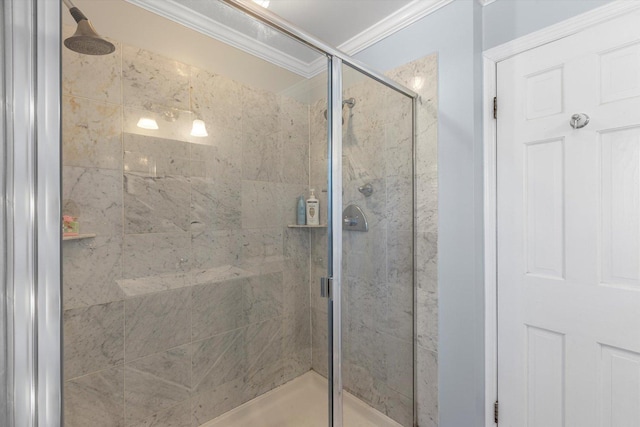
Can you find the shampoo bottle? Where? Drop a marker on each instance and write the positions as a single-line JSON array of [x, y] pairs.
[[313, 209], [301, 212]]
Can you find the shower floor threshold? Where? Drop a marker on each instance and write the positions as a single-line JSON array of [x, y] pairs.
[[301, 402]]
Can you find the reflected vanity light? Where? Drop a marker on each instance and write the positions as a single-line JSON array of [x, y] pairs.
[[199, 128], [147, 123], [263, 3], [417, 83]]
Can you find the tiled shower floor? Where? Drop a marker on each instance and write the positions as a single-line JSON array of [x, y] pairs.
[[300, 403]]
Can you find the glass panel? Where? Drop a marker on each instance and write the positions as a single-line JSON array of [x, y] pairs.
[[189, 288], [377, 268]]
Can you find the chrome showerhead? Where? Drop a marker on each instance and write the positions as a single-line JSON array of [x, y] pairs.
[[349, 102], [86, 40]]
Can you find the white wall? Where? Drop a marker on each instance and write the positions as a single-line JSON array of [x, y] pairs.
[[458, 33]]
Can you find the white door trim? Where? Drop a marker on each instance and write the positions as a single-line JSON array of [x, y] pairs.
[[490, 59]]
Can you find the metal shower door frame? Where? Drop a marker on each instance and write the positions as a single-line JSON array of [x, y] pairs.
[[31, 227], [334, 242]]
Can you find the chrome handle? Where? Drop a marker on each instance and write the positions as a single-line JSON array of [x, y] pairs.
[[325, 287], [579, 120], [350, 221]]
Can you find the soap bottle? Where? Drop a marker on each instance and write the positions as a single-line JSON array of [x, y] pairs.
[[301, 212], [313, 209]]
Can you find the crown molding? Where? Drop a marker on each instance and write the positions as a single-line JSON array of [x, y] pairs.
[[485, 2], [176, 12], [402, 18]]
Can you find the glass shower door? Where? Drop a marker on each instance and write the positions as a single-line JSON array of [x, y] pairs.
[[371, 242]]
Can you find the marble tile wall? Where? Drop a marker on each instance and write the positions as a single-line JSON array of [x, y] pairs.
[[194, 296], [377, 266]]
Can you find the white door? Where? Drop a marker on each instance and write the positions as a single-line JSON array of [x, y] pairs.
[[569, 231]]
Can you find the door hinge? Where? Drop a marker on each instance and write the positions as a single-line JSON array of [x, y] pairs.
[[325, 287], [495, 107], [496, 409]]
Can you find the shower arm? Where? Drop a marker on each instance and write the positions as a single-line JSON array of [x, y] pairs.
[[74, 11]]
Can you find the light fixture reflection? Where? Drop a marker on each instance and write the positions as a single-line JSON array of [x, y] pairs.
[[199, 128], [417, 83], [147, 123], [263, 3]]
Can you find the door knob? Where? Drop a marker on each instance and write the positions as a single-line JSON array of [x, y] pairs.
[[579, 120]]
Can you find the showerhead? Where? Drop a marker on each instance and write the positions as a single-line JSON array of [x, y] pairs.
[[86, 40], [350, 102]]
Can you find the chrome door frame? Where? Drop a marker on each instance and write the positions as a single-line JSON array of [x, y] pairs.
[[334, 243], [30, 129]]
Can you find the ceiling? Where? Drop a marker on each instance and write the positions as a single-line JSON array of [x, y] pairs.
[[251, 52], [335, 21]]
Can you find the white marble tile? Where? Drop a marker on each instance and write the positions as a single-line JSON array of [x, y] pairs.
[[215, 204], [260, 111], [399, 206], [94, 196], [209, 404], [427, 330], [398, 357], [319, 341], [90, 270], [400, 256], [264, 353], [220, 160], [216, 98], [149, 78], [157, 383], [427, 261], [95, 77], [294, 121], [398, 150], [215, 248], [399, 407], [262, 157], [218, 308], [297, 344], [91, 133], [262, 297], [156, 204], [156, 157], [261, 204], [157, 322], [176, 416], [93, 338], [155, 253], [95, 400], [219, 360], [427, 388], [365, 255], [426, 201]]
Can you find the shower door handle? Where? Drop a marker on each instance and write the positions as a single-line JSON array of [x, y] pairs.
[[325, 287]]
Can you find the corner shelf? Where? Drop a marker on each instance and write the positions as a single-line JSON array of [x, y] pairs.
[[78, 237], [307, 226]]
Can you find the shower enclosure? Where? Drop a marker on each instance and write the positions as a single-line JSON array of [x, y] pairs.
[[190, 295]]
